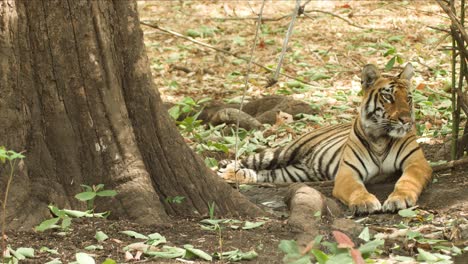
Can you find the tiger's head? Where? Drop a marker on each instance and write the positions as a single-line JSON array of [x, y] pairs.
[[387, 108]]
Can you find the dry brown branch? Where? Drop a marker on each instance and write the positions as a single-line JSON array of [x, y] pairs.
[[168, 31], [333, 15], [449, 165], [454, 19]]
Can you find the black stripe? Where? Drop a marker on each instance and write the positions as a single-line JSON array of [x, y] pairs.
[[355, 169], [367, 103], [388, 148], [260, 160], [273, 175], [365, 143], [282, 175], [408, 155], [306, 173], [329, 145], [402, 146], [292, 157], [343, 129], [294, 179], [360, 160], [335, 171], [273, 164]]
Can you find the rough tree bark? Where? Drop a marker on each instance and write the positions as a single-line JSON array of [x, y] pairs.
[[76, 94]]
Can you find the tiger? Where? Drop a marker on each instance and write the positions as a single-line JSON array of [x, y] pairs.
[[379, 143]]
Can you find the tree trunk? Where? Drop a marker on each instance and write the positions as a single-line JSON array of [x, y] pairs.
[[76, 93]]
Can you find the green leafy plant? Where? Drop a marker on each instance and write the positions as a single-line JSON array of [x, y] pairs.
[[12, 158], [65, 216], [211, 210], [175, 199], [344, 251], [394, 57], [15, 256], [91, 192]]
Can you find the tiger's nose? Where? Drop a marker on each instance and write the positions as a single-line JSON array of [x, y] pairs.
[[405, 118]]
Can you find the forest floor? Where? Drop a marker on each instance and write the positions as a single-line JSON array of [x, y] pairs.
[[326, 52]]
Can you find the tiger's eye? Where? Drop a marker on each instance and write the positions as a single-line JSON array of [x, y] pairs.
[[387, 97]]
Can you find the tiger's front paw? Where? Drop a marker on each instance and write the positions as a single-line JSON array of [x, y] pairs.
[[364, 203], [400, 200], [233, 175]]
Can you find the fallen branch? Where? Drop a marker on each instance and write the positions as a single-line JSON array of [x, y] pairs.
[[449, 165], [224, 51]]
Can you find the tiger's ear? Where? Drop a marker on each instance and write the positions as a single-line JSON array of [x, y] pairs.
[[369, 75], [407, 73]]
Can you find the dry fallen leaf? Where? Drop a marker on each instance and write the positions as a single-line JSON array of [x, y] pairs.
[[128, 256], [343, 240]]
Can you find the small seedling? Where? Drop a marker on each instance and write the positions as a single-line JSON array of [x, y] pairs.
[[91, 192], [175, 199], [65, 215], [211, 210], [12, 157]]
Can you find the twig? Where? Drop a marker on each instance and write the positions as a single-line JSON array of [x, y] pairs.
[[244, 90], [333, 15], [168, 31], [274, 78]]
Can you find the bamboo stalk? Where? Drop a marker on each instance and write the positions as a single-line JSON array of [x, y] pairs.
[[455, 120]]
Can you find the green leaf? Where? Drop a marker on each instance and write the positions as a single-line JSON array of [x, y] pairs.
[[101, 236], [109, 261], [341, 258], [213, 221], [156, 239], [319, 76], [252, 225], [54, 261], [399, 59], [320, 256], [390, 64], [413, 234], [288, 246], [405, 259], [237, 255], [192, 252], [426, 256], [83, 258], [365, 234], [193, 33], [76, 213], [85, 196], [94, 247], [17, 255], [48, 250], [47, 224], [371, 246], [407, 213], [167, 252], [87, 188], [134, 234], [56, 211], [66, 222], [106, 193]]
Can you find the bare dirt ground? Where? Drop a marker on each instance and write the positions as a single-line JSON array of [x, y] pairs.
[[325, 52]]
